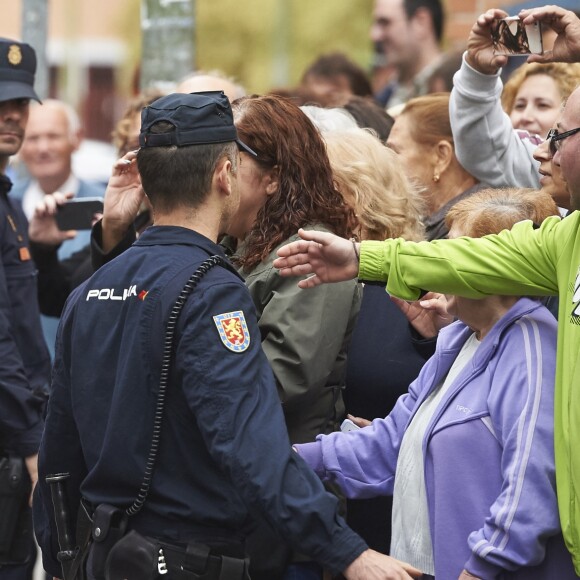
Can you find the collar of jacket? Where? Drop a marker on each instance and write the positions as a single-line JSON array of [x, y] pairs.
[[173, 235], [5, 184], [452, 339]]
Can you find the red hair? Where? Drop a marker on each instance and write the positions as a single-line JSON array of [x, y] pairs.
[[285, 139], [489, 211]]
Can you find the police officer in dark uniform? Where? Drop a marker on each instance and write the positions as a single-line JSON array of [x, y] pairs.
[[224, 452], [24, 358]]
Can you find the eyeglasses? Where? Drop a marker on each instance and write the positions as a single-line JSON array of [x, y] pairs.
[[554, 137]]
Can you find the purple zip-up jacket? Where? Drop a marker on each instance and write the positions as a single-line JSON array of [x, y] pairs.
[[488, 452]]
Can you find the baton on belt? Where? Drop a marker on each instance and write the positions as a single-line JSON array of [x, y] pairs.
[[68, 551]]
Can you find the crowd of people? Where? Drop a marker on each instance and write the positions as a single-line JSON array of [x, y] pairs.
[[193, 424]]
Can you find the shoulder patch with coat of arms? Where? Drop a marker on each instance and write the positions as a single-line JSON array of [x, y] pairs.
[[233, 330]]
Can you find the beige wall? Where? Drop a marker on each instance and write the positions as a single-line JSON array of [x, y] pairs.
[[106, 33], [462, 14], [102, 18], [11, 20], [94, 22], [90, 18], [91, 50]]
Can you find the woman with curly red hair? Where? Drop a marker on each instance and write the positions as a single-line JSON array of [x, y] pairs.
[[305, 337]]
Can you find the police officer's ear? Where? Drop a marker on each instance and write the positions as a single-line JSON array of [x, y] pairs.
[[223, 176]]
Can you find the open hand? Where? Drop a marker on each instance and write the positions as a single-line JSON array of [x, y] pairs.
[[321, 255], [123, 199]]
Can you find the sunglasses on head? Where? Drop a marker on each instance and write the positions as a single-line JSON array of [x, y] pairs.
[[556, 138]]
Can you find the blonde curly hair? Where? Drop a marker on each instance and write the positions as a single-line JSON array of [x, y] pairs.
[[372, 181]]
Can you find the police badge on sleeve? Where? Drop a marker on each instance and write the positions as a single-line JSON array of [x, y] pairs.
[[233, 330]]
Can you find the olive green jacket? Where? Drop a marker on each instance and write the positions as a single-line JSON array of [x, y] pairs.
[[305, 335]]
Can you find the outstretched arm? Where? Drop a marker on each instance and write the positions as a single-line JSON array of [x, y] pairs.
[[326, 257], [566, 24], [486, 143]]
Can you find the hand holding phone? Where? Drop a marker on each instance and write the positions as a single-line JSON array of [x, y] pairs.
[[348, 425], [42, 227], [480, 52], [567, 27]]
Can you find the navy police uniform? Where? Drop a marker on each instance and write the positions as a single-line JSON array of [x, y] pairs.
[[25, 367], [24, 373], [24, 358], [224, 448], [25, 363]]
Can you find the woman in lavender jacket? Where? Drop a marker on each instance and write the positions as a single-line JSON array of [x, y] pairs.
[[468, 452]]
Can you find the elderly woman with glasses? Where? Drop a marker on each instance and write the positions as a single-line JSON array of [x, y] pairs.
[[496, 129]]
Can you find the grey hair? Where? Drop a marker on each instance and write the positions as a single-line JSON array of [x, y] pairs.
[[329, 120], [239, 90], [72, 117]]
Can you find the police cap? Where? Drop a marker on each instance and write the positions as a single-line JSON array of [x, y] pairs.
[[17, 69], [198, 118]]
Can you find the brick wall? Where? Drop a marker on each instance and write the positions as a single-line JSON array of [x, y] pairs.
[[461, 15]]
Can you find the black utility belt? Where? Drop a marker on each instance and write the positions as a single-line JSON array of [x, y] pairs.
[[197, 561], [118, 554], [136, 557]]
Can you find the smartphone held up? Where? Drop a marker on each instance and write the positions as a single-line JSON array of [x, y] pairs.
[[511, 37], [78, 213]]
